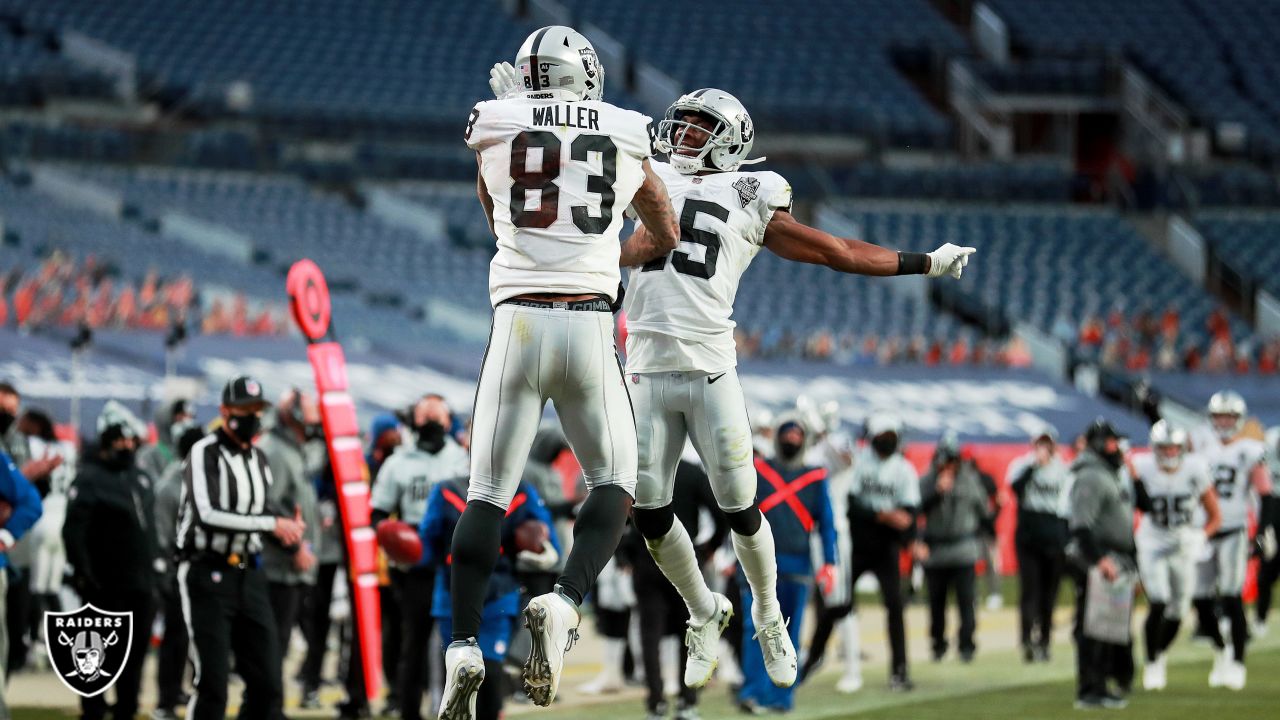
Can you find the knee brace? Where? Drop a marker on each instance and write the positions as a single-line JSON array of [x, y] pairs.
[[653, 523], [745, 522]]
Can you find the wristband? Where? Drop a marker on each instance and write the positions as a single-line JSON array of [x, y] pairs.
[[913, 263]]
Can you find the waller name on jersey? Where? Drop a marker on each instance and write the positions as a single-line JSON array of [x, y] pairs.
[[566, 116]]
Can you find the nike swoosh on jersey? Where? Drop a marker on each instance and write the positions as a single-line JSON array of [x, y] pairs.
[[713, 379]]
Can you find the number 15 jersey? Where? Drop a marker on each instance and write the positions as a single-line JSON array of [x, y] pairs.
[[560, 175], [679, 306]]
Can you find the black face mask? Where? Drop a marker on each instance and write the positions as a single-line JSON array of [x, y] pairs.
[[788, 450], [1114, 459], [430, 436], [6, 419], [119, 458], [884, 444], [313, 432], [244, 427]]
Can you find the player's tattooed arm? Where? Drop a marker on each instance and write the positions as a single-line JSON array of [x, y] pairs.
[[482, 191], [660, 233], [793, 240]]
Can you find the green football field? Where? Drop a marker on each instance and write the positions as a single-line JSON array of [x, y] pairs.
[[996, 685]]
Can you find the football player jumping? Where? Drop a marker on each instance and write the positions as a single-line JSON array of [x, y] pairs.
[[681, 356]]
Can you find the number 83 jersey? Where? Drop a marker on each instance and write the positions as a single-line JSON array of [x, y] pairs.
[[679, 306], [560, 175]]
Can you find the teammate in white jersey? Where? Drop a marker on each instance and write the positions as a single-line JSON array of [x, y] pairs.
[[1238, 465], [557, 167], [681, 356], [1168, 486]]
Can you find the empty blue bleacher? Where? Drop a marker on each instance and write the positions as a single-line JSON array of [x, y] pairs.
[[1248, 242], [1034, 264], [819, 66], [1218, 58]]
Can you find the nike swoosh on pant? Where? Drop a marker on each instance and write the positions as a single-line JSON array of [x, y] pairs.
[[713, 379]]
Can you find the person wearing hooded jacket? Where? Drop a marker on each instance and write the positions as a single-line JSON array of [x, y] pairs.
[[171, 421], [113, 499], [293, 445], [884, 497], [402, 488], [1101, 531], [171, 665], [953, 502], [793, 497]]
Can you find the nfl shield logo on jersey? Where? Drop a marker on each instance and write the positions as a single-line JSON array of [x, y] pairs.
[[88, 647]]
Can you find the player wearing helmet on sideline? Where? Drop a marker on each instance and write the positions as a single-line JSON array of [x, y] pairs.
[[1238, 464], [681, 356], [1168, 486]]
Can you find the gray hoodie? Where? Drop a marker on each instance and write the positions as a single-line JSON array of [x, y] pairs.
[[953, 518], [290, 486], [1101, 509]]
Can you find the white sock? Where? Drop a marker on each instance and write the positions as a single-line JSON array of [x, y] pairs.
[[675, 556], [760, 565], [849, 637]]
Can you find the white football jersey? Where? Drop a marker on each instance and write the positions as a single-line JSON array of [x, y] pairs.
[[679, 306], [561, 174], [1174, 495], [884, 484], [1232, 470]]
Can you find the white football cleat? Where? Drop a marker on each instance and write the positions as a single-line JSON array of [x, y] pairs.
[[553, 628], [1155, 675], [1217, 676], [1234, 676], [463, 674], [703, 642], [779, 652], [849, 683]]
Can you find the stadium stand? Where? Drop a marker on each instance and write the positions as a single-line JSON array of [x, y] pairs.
[[1248, 242], [1087, 264], [1214, 57], [793, 87]]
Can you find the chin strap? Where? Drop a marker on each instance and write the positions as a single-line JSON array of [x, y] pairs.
[[752, 161]]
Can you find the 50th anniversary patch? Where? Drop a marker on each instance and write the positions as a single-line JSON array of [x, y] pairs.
[[88, 647]]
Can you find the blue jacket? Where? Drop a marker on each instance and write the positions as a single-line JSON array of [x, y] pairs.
[[796, 502], [444, 507], [24, 498]]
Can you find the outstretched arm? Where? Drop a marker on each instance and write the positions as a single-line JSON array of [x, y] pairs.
[[660, 233], [793, 240]]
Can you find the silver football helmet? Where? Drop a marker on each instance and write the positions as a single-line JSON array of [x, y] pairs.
[[1169, 444], [1227, 411], [562, 62], [727, 144]]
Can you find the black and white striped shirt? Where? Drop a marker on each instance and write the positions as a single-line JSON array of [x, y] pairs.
[[224, 499]]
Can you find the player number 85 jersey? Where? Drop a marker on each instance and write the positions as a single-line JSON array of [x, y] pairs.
[[688, 294], [1175, 496]]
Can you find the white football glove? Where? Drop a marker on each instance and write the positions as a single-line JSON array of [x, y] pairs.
[[949, 259], [503, 80], [543, 561]]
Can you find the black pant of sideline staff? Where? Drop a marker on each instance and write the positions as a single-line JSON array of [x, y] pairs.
[[414, 588], [662, 614], [1040, 571], [229, 611], [171, 666], [286, 599], [940, 581], [129, 683], [318, 627], [1097, 661], [883, 563]]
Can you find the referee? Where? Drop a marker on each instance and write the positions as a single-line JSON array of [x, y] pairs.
[[224, 595]]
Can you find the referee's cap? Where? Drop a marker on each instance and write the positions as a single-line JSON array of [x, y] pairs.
[[243, 391]]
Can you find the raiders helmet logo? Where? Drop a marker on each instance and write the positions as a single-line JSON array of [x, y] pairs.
[[88, 647], [747, 188]]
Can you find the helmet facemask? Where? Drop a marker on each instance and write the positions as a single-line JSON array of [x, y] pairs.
[[676, 129], [1226, 425], [1169, 455]]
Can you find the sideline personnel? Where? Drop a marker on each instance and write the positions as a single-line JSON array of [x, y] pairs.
[[225, 507]]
